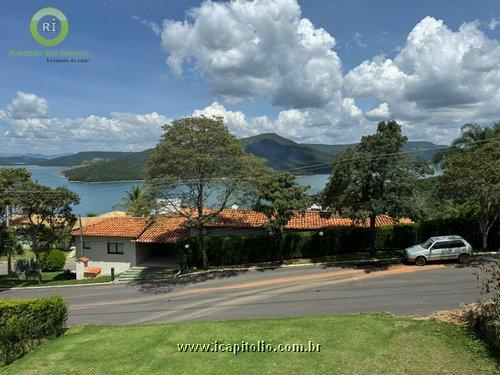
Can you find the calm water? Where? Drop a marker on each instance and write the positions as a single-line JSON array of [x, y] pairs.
[[101, 197]]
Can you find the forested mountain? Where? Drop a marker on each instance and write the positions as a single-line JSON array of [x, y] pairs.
[[280, 153]]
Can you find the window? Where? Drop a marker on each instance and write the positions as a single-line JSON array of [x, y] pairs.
[[440, 245], [87, 246], [427, 243], [115, 247], [457, 243]]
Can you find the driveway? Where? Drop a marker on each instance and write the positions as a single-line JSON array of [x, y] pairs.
[[294, 291]]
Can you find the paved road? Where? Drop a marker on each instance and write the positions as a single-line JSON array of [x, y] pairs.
[[310, 290]]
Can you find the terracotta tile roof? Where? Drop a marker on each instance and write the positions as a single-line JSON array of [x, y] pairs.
[[165, 230], [238, 219], [93, 219], [129, 227], [319, 220]]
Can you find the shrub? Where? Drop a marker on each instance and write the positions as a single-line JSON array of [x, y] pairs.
[[484, 316], [25, 323], [54, 260]]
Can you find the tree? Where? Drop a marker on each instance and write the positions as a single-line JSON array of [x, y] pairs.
[[11, 181], [135, 202], [375, 177], [472, 135], [9, 245], [48, 215], [279, 197], [473, 177], [201, 164]]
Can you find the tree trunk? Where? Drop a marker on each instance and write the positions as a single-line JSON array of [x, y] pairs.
[[485, 224], [485, 230], [201, 244], [34, 248], [38, 266], [373, 234], [9, 263]]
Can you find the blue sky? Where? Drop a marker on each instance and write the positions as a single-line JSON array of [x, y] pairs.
[[128, 72]]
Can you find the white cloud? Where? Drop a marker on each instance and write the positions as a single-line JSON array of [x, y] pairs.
[[24, 125], [311, 125], [379, 113], [26, 105], [358, 39], [260, 49], [153, 26], [494, 22], [439, 80]]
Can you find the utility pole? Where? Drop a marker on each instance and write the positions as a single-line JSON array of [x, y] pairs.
[[9, 255], [81, 235]]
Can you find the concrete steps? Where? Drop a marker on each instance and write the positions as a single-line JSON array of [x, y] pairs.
[[138, 274]]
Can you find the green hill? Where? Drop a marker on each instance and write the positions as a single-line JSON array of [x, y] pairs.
[[284, 154], [129, 167], [19, 160], [87, 157], [425, 150], [280, 153]]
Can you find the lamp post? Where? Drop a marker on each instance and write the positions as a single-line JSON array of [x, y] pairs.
[[321, 234]]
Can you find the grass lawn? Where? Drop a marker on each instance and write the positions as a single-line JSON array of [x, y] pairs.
[[48, 278], [355, 344]]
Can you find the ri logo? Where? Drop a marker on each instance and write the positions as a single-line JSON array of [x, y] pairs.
[[49, 27]]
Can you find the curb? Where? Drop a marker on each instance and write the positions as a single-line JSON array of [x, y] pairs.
[[55, 286]]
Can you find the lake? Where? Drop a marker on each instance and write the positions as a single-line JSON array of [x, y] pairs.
[[101, 197]]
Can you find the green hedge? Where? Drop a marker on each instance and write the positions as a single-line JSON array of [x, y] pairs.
[[238, 249], [25, 323], [245, 248]]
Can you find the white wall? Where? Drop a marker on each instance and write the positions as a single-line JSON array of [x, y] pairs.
[[99, 249], [105, 268], [99, 257]]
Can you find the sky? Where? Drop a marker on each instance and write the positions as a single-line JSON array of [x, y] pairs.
[[312, 71]]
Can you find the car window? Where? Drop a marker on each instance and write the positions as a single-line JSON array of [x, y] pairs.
[[458, 243], [427, 244], [440, 245]]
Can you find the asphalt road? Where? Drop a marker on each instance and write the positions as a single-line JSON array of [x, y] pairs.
[[312, 290]]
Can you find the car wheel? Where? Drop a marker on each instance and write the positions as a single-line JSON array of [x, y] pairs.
[[464, 258], [420, 261]]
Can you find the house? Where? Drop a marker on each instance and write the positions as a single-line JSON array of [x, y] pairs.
[[120, 242]]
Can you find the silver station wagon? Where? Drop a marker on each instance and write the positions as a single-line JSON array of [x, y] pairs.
[[440, 248]]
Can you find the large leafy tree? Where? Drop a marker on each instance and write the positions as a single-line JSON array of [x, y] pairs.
[[136, 202], [375, 177], [48, 214], [472, 135], [473, 177], [199, 163], [279, 197]]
